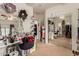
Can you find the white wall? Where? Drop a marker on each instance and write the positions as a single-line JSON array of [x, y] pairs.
[[41, 17], [29, 11], [68, 19]]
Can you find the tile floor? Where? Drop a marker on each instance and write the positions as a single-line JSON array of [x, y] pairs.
[[63, 42], [51, 49]]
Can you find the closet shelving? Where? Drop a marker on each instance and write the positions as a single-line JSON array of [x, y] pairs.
[[3, 46], [5, 23]]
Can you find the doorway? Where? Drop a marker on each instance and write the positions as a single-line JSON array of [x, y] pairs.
[[61, 34]]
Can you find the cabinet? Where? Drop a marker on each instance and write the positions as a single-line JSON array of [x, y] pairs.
[[4, 50]]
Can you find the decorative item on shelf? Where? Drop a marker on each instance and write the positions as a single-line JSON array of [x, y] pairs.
[[34, 18], [10, 17], [32, 26], [9, 7], [32, 22], [12, 51], [3, 16], [22, 14]]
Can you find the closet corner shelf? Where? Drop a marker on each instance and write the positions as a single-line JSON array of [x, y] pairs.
[[9, 44]]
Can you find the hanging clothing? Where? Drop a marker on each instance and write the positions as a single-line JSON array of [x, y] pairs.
[[68, 32]]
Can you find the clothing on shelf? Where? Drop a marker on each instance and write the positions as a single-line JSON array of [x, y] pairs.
[[35, 29]]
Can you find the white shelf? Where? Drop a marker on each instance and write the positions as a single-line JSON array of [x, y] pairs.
[[9, 44]]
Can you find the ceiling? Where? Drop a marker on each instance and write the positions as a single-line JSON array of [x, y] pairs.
[[40, 8]]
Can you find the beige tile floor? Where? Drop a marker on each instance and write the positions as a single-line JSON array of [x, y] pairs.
[[63, 42], [51, 50]]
